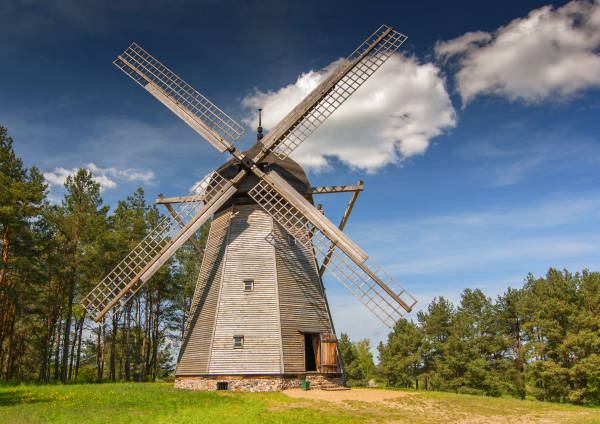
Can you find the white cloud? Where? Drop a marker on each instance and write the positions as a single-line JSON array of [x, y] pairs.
[[392, 116], [105, 176], [548, 54]]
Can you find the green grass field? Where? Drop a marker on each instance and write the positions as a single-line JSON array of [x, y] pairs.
[[161, 403]]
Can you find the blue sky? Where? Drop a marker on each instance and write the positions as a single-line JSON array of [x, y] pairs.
[[477, 142]]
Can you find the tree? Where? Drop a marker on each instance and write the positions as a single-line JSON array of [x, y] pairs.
[[22, 198], [365, 357], [355, 375], [81, 219], [512, 319], [403, 357]]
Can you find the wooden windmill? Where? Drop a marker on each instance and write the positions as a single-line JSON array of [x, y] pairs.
[[259, 319]]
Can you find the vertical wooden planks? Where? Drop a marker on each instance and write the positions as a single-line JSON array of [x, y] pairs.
[[251, 314], [195, 349], [329, 353], [301, 302]]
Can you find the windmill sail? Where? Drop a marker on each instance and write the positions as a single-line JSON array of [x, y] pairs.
[[333, 91], [192, 107], [158, 246], [352, 267]]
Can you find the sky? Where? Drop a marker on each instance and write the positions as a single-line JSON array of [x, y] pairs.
[[476, 141]]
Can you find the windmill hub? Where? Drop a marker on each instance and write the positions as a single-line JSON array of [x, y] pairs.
[[259, 319], [286, 167]]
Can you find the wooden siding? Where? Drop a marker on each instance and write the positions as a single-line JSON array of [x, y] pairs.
[[252, 314], [301, 300], [195, 349]]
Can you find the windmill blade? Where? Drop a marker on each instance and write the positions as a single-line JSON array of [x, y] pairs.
[[158, 246], [192, 107], [353, 267], [332, 92]]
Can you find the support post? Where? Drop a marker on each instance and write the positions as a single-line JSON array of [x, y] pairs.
[[170, 208], [342, 225]]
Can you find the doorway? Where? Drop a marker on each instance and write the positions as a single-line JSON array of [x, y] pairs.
[[311, 352]]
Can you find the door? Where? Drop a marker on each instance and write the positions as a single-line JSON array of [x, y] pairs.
[[329, 353]]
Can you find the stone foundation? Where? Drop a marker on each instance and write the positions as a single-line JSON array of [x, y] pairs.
[[257, 384]]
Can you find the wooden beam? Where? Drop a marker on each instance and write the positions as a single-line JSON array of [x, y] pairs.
[[193, 121], [198, 248], [311, 190], [342, 225], [335, 189], [166, 200], [333, 233], [311, 101], [285, 190], [167, 251]]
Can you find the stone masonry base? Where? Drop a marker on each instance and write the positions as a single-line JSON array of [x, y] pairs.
[[256, 383]]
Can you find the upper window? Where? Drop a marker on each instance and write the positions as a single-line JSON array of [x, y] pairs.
[[291, 240], [248, 285], [238, 342]]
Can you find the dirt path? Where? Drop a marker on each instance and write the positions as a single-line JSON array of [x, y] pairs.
[[406, 407], [362, 395]]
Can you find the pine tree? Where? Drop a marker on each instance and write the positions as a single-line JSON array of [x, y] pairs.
[[22, 198], [81, 220]]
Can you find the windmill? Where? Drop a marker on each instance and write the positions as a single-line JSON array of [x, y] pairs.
[[259, 319]]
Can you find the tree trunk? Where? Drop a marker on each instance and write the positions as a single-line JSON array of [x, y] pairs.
[[79, 344], [121, 370], [57, 357], [46, 353], [21, 356], [50, 350], [156, 321], [78, 323], [136, 338], [113, 361], [103, 348], [98, 351], [144, 356], [127, 365], [65, 361], [10, 358], [3, 281]]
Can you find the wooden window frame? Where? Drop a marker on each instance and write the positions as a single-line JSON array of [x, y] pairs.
[[246, 281], [292, 240], [241, 342]]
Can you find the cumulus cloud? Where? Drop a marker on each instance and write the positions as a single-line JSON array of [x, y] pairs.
[[549, 54], [105, 176], [394, 115]]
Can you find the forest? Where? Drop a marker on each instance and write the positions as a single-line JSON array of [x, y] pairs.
[[51, 256], [540, 340]]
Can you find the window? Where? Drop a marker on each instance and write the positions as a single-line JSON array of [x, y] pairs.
[[238, 342], [291, 240], [222, 385], [248, 285]]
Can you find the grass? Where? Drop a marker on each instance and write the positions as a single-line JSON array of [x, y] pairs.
[[161, 403]]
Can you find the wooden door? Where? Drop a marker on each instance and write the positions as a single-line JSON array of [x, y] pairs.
[[329, 353]]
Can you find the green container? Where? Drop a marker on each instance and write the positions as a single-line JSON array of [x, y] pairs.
[[305, 385]]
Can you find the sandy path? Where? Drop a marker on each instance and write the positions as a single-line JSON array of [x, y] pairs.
[[363, 395]]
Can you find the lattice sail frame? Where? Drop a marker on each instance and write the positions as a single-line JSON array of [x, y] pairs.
[[151, 246], [344, 88], [145, 69], [347, 271]]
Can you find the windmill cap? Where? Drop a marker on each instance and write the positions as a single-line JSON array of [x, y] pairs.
[[287, 168]]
